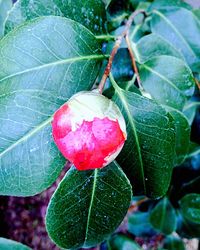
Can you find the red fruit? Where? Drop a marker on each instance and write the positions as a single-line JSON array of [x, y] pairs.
[[89, 130]]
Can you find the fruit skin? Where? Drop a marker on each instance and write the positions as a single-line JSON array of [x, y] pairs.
[[89, 130]]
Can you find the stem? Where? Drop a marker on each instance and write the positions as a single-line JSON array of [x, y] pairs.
[[106, 37], [116, 47], [136, 205], [133, 61], [197, 83]]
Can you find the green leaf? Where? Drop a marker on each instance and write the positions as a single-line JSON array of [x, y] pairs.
[[173, 243], [6, 244], [147, 157], [189, 110], [42, 64], [190, 207], [168, 80], [163, 4], [5, 6], [139, 224], [183, 33], [196, 12], [151, 46], [163, 217], [182, 135], [90, 13], [122, 242], [88, 206]]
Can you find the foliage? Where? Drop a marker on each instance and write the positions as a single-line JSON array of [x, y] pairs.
[[50, 50]]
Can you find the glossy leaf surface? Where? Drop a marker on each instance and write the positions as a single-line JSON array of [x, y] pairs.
[[147, 157], [5, 6], [163, 217], [183, 33], [151, 46], [87, 206], [190, 207], [36, 78], [90, 13], [168, 80], [182, 135]]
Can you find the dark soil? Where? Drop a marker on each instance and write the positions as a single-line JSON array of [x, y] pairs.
[[22, 219]]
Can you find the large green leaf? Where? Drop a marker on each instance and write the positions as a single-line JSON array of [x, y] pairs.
[[182, 135], [42, 64], [183, 33], [90, 13], [88, 206], [168, 80], [151, 46], [163, 217], [6, 244], [5, 6], [148, 154], [190, 207]]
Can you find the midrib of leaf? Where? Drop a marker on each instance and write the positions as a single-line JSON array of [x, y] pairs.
[[124, 102], [162, 77], [91, 204], [27, 136], [163, 213], [191, 105], [176, 31], [64, 61]]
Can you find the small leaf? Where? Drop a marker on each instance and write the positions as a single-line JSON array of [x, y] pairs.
[[168, 80], [88, 206], [139, 224], [173, 243], [6, 244], [90, 13], [183, 33], [151, 46], [190, 207], [122, 242], [163, 217], [42, 64], [5, 6], [147, 157], [182, 135]]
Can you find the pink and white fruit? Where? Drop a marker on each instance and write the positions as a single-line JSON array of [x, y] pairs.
[[89, 130]]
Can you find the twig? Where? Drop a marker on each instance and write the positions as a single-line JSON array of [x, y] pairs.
[[116, 47], [133, 61], [136, 205], [197, 83]]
